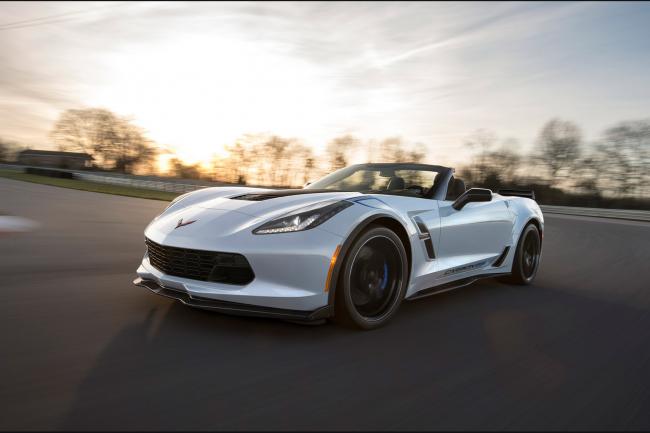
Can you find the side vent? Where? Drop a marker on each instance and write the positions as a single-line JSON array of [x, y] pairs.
[[425, 237], [499, 261]]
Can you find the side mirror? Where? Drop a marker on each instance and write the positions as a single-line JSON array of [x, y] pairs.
[[472, 195]]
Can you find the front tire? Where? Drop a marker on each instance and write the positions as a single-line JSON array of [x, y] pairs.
[[527, 257], [373, 280]]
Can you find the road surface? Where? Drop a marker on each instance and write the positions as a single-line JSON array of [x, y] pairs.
[[82, 348]]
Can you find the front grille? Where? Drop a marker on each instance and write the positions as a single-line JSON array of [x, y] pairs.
[[227, 268]]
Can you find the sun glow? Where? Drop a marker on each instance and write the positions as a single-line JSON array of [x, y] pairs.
[[196, 95]]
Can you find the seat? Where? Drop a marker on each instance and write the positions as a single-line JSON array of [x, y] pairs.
[[395, 183], [456, 188]]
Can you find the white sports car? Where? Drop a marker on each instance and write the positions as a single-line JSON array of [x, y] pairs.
[[350, 246]]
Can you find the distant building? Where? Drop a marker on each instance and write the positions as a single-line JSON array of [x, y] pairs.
[[52, 158]]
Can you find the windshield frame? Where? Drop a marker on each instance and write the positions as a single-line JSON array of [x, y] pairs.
[[436, 191]]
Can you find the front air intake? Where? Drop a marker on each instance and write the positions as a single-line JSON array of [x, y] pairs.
[[213, 266]]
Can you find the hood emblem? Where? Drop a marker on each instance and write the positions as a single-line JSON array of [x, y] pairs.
[[181, 223]]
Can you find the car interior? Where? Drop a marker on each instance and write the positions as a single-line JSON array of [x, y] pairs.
[[406, 179]]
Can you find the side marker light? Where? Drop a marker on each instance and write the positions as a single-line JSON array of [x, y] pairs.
[[335, 256]]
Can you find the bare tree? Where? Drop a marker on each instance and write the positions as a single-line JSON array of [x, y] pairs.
[[588, 175], [624, 155], [4, 151], [299, 162], [250, 160], [263, 159], [310, 164], [493, 169], [338, 151], [417, 153], [112, 139], [481, 142], [83, 129], [129, 148], [236, 166], [558, 147], [392, 150], [275, 150], [186, 171]]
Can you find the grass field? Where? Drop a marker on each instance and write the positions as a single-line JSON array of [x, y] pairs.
[[90, 186]]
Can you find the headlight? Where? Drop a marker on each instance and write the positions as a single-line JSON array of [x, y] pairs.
[[304, 218]]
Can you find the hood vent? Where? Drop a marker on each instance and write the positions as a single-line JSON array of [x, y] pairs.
[[253, 197]]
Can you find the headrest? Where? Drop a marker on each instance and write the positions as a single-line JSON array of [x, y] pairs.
[[456, 188], [395, 183]]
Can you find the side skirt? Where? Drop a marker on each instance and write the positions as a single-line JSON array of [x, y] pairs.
[[453, 285]]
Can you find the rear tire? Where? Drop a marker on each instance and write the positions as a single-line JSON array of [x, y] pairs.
[[373, 280], [527, 257]]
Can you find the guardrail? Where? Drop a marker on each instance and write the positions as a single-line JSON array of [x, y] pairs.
[[626, 214]]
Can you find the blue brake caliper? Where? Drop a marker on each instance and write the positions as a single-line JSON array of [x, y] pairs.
[[385, 280]]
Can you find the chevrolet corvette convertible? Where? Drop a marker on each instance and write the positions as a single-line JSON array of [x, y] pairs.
[[350, 246]]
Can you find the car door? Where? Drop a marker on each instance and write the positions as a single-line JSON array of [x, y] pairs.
[[477, 232], [474, 234]]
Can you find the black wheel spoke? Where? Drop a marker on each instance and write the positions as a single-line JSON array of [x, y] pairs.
[[375, 277], [530, 254]]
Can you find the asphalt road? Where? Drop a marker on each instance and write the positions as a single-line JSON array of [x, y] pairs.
[[82, 348]]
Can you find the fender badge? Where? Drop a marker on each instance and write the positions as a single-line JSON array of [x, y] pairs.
[[181, 223]]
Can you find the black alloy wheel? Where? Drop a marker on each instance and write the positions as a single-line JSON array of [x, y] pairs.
[[527, 256], [373, 279]]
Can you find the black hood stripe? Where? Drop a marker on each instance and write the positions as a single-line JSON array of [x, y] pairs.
[[266, 195]]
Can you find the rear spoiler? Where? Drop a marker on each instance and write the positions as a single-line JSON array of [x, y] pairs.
[[527, 193]]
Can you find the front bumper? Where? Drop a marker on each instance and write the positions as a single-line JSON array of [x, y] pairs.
[[233, 307], [290, 269]]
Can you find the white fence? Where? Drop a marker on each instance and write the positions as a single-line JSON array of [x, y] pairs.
[[119, 179], [635, 215], [139, 183]]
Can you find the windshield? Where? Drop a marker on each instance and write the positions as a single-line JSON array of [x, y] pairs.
[[400, 179]]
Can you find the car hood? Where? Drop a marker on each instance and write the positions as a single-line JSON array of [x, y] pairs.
[[271, 203], [230, 213]]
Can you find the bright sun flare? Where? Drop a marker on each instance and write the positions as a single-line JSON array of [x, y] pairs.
[[196, 95]]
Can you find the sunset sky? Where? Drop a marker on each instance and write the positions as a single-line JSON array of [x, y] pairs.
[[198, 75]]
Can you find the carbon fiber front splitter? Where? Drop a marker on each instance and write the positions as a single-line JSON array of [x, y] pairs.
[[234, 308]]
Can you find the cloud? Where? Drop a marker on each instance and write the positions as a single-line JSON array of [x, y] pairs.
[[429, 72]]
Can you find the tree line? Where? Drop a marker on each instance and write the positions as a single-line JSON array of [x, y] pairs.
[[561, 166], [262, 159], [114, 142], [615, 166]]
